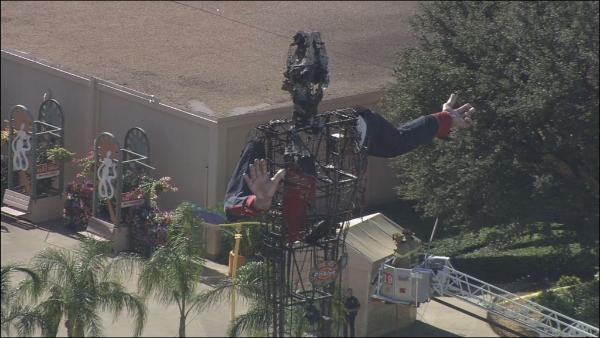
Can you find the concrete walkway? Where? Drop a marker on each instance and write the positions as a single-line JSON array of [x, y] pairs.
[[20, 242]]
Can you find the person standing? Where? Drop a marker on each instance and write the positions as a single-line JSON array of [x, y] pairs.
[[352, 306]]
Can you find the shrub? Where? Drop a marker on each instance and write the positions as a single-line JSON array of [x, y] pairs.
[[58, 155], [579, 301], [531, 71], [565, 281], [534, 262]]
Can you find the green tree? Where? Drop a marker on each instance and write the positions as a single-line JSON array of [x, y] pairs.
[[172, 273], [12, 307], [248, 286], [76, 286], [531, 71]]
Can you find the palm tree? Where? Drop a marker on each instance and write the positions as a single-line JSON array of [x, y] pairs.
[[12, 307], [249, 285], [173, 271], [79, 284]]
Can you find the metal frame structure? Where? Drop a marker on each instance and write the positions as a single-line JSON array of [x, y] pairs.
[[332, 144], [123, 156], [136, 154], [48, 128], [447, 281], [451, 282]]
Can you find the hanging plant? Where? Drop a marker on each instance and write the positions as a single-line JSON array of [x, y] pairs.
[[151, 188], [86, 165], [59, 155]]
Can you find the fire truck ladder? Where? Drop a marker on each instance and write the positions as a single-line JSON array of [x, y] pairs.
[[451, 282]]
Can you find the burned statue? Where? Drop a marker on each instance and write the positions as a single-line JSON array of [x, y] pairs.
[[304, 179]]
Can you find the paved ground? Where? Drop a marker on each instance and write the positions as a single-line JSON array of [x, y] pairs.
[[20, 243], [453, 322]]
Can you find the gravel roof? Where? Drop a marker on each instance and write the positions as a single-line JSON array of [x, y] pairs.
[[219, 58]]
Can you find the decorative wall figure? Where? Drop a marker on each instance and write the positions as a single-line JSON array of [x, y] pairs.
[[106, 174], [20, 146]]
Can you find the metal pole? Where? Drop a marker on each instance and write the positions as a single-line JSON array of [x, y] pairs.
[[236, 250], [431, 237], [34, 156], [10, 153]]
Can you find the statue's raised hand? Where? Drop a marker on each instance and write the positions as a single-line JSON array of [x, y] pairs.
[[461, 117], [261, 185]]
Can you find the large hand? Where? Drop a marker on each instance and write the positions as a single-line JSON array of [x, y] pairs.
[[261, 185], [461, 117]]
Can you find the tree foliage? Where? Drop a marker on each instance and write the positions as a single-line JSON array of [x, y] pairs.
[[76, 286], [11, 299], [173, 272], [531, 71]]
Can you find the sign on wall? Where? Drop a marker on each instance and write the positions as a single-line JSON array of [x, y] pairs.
[[324, 273], [46, 170]]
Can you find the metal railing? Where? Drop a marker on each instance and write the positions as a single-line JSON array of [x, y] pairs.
[[451, 282]]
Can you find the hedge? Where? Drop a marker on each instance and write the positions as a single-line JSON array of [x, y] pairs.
[[536, 263]]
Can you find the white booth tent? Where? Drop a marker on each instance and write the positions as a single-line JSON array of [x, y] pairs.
[[369, 242]]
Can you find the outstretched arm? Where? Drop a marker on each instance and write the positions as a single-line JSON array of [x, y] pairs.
[[250, 188], [385, 140]]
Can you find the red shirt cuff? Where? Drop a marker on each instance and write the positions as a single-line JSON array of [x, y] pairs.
[[444, 124], [248, 209]]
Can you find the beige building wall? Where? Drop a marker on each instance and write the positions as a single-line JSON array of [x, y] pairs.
[[92, 106], [199, 153], [179, 146], [25, 82]]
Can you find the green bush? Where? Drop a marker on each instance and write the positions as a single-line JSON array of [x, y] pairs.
[[227, 244], [579, 301], [534, 262], [249, 245], [501, 238], [565, 281], [508, 253]]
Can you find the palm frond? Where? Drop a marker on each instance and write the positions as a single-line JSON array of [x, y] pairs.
[[256, 319], [7, 270], [56, 264], [28, 321], [90, 322], [157, 278], [122, 266], [114, 297], [45, 316]]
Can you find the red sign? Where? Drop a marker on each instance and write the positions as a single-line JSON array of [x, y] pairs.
[[132, 198], [387, 278], [324, 273], [46, 170]]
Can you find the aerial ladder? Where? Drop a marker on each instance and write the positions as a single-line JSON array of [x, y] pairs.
[[436, 277]]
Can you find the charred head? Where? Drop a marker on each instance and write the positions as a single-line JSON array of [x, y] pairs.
[[306, 75]]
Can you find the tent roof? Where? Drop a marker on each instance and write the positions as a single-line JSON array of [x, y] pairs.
[[371, 236]]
